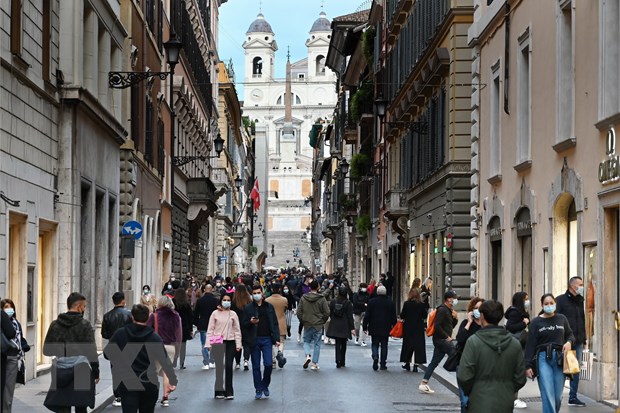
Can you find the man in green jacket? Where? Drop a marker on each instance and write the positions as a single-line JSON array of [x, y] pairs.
[[491, 370], [313, 312]]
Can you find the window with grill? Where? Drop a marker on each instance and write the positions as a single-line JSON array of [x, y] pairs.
[[160, 147]]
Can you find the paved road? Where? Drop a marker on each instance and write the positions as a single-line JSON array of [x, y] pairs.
[[355, 388]]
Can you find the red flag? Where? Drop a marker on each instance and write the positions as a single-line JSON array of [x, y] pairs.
[[255, 196]]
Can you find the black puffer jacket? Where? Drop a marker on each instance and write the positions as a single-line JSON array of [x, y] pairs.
[[571, 306], [514, 320], [113, 320]]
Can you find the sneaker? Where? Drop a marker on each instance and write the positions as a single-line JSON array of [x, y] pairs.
[[266, 393], [520, 404], [576, 402], [406, 366], [357, 342], [364, 344], [229, 397], [117, 402], [375, 364], [205, 367], [219, 396], [383, 367], [212, 365], [182, 368], [425, 389], [307, 362], [259, 395], [281, 359], [314, 367], [298, 338], [326, 340], [165, 403], [237, 366], [246, 367]]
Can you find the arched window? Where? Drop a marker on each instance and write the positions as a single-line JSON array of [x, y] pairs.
[[257, 67], [279, 101], [297, 100], [320, 65]]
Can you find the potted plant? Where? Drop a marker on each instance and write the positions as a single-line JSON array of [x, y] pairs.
[[348, 204], [359, 165], [361, 101], [253, 250], [362, 225], [368, 44]]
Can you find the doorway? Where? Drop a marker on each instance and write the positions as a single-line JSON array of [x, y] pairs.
[[495, 238], [524, 244]]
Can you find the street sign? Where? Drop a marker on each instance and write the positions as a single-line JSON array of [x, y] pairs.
[[133, 228]]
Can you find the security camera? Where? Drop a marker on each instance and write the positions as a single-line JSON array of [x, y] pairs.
[[429, 216]]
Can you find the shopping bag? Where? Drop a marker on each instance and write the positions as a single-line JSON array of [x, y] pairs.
[[397, 330], [571, 364]]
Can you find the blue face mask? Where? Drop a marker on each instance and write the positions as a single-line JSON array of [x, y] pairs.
[[9, 311], [257, 297], [476, 313], [549, 309], [226, 304]]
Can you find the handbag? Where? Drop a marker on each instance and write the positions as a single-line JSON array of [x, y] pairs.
[[452, 362], [9, 347], [397, 330], [219, 339], [571, 364]]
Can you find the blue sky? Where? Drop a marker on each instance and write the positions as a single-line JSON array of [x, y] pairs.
[[290, 20]]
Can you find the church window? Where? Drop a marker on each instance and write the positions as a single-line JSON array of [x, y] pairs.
[[297, 100], [257, 67], [320, 65], [279, 101]]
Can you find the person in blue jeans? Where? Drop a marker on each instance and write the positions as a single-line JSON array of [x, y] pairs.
[[313, 313], [260, 326], [571, 305], [549, 336], [446, 319]]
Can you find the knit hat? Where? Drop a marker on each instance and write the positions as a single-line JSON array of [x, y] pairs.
[[381, 290]]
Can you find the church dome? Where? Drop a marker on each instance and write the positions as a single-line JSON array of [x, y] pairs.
[[260, 25], [322, 24]]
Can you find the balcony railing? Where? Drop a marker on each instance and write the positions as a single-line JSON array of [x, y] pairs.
[[396, 203]]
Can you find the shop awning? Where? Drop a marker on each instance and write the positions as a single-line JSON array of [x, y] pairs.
[[314, 134]]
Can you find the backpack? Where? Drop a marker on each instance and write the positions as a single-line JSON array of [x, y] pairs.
[[430, 327], [339, 310]]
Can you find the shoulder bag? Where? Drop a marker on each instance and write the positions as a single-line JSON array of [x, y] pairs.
[[219, 338]]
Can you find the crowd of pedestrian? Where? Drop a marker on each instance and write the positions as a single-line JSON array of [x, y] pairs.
[[250, 317]]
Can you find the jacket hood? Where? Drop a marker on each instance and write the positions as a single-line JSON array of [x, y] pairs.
[[138, 333], [497, 338], [70, 319], [312, 297]]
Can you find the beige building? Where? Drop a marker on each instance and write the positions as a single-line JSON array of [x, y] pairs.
[[545, 193]]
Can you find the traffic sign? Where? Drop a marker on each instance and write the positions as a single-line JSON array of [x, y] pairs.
[[133, 228]]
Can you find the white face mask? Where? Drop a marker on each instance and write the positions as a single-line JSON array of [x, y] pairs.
[[226, 304], [526, 304], [476, 313], [257, 297], [9, 311], [579, 290], [455, 302], [285, 291], [363, 290]]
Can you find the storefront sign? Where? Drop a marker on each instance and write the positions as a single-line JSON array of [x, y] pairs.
[[609, 169], [524, 223]]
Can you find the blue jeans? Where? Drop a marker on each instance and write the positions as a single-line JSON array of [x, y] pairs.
[[464, 399], [379, 341], [550, 381], [574, 381], [206, 357], [312, 335], [262, 347], [441, 349]]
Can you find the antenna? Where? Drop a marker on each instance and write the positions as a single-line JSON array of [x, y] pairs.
[[322, 4], [260, 6], [288, 53]]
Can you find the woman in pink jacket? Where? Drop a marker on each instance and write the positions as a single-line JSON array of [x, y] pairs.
[[223, 341]]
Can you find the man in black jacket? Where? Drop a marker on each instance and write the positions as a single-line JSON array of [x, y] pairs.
[[68, 336], [360, 302], [571, 305], [379, 319], [135, 352], [114, 319], [261, 331], [445, 321], [205, 306]]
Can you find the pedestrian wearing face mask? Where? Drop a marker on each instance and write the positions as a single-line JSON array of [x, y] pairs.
[[571, 305], [194, 292], [15, 368], [260, 323], [468, 328], [446, 319], [292, 304], [517, 320], [413, 315], [148, 299], [549, 336], [360, 302], [168, 287], [224, 341]]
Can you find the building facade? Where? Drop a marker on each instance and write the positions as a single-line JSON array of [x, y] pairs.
[[545, 194], [286, 184]]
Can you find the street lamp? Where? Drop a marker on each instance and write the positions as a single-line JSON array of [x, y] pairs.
[[260, 226], [344, 167], [380, 106], [218, 144], [238, 182]]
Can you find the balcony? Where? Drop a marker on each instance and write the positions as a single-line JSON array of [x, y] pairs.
[[202, 200], [396, 204], [220, 178]]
